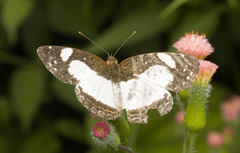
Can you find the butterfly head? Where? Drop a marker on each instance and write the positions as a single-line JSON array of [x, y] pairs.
[[111, 60]]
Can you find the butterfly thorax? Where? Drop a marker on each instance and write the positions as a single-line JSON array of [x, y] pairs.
[[113, 69]]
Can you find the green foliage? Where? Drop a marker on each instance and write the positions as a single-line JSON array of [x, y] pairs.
[[38, 113], [70, 129], [41, 141], [14, 13], [27, 88], [65, 92]]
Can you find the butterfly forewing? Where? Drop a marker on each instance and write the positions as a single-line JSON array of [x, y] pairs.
[[57, 60]]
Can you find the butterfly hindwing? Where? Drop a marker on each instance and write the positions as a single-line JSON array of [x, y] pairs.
[[139, 95], [146, 78]]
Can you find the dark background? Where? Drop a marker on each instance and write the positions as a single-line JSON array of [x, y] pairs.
[[39, 114]]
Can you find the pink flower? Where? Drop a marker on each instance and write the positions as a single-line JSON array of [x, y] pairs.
[[231, 108], [179, 117], [194, 44], [206, 71], [228, 133], [214, 140], [101, 129]]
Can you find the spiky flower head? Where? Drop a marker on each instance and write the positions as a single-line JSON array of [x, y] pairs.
[[194, 44], [205, 73], [101, 129], [105, 135]]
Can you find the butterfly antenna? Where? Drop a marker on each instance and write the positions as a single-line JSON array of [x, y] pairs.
[[124, 43], [93, 42]]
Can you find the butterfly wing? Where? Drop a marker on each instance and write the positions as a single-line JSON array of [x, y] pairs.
[[57, 60], [146, 77], [87, 72]]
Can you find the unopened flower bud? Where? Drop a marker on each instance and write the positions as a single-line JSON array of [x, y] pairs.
[[105, 136]]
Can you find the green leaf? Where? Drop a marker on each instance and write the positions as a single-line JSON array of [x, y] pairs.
[[84, 15], [35, 25], [26, 90], [14, 13], [66, 17], [3, 144], [43, 141], [4, 110]]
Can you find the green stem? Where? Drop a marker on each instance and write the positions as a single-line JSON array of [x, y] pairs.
[[123, 129], [192, 138], [185, 140], [126, 149], [125, 142], [179, 101]]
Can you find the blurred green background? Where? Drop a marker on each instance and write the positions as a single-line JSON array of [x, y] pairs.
[[39, 114]]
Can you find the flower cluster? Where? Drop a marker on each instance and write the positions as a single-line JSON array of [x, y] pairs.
[[230, 109], [198, 46], [197, 94]]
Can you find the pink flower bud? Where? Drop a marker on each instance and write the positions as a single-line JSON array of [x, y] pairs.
[[231, 108], [214, 140], [179, 117], [206, 71]]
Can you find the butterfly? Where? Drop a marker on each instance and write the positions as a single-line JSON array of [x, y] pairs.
[[137, 84]]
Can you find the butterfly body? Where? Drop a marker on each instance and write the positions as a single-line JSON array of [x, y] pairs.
[[137, 84], [113, 69]]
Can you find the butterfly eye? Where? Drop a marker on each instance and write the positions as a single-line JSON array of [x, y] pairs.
[[108, 62]]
